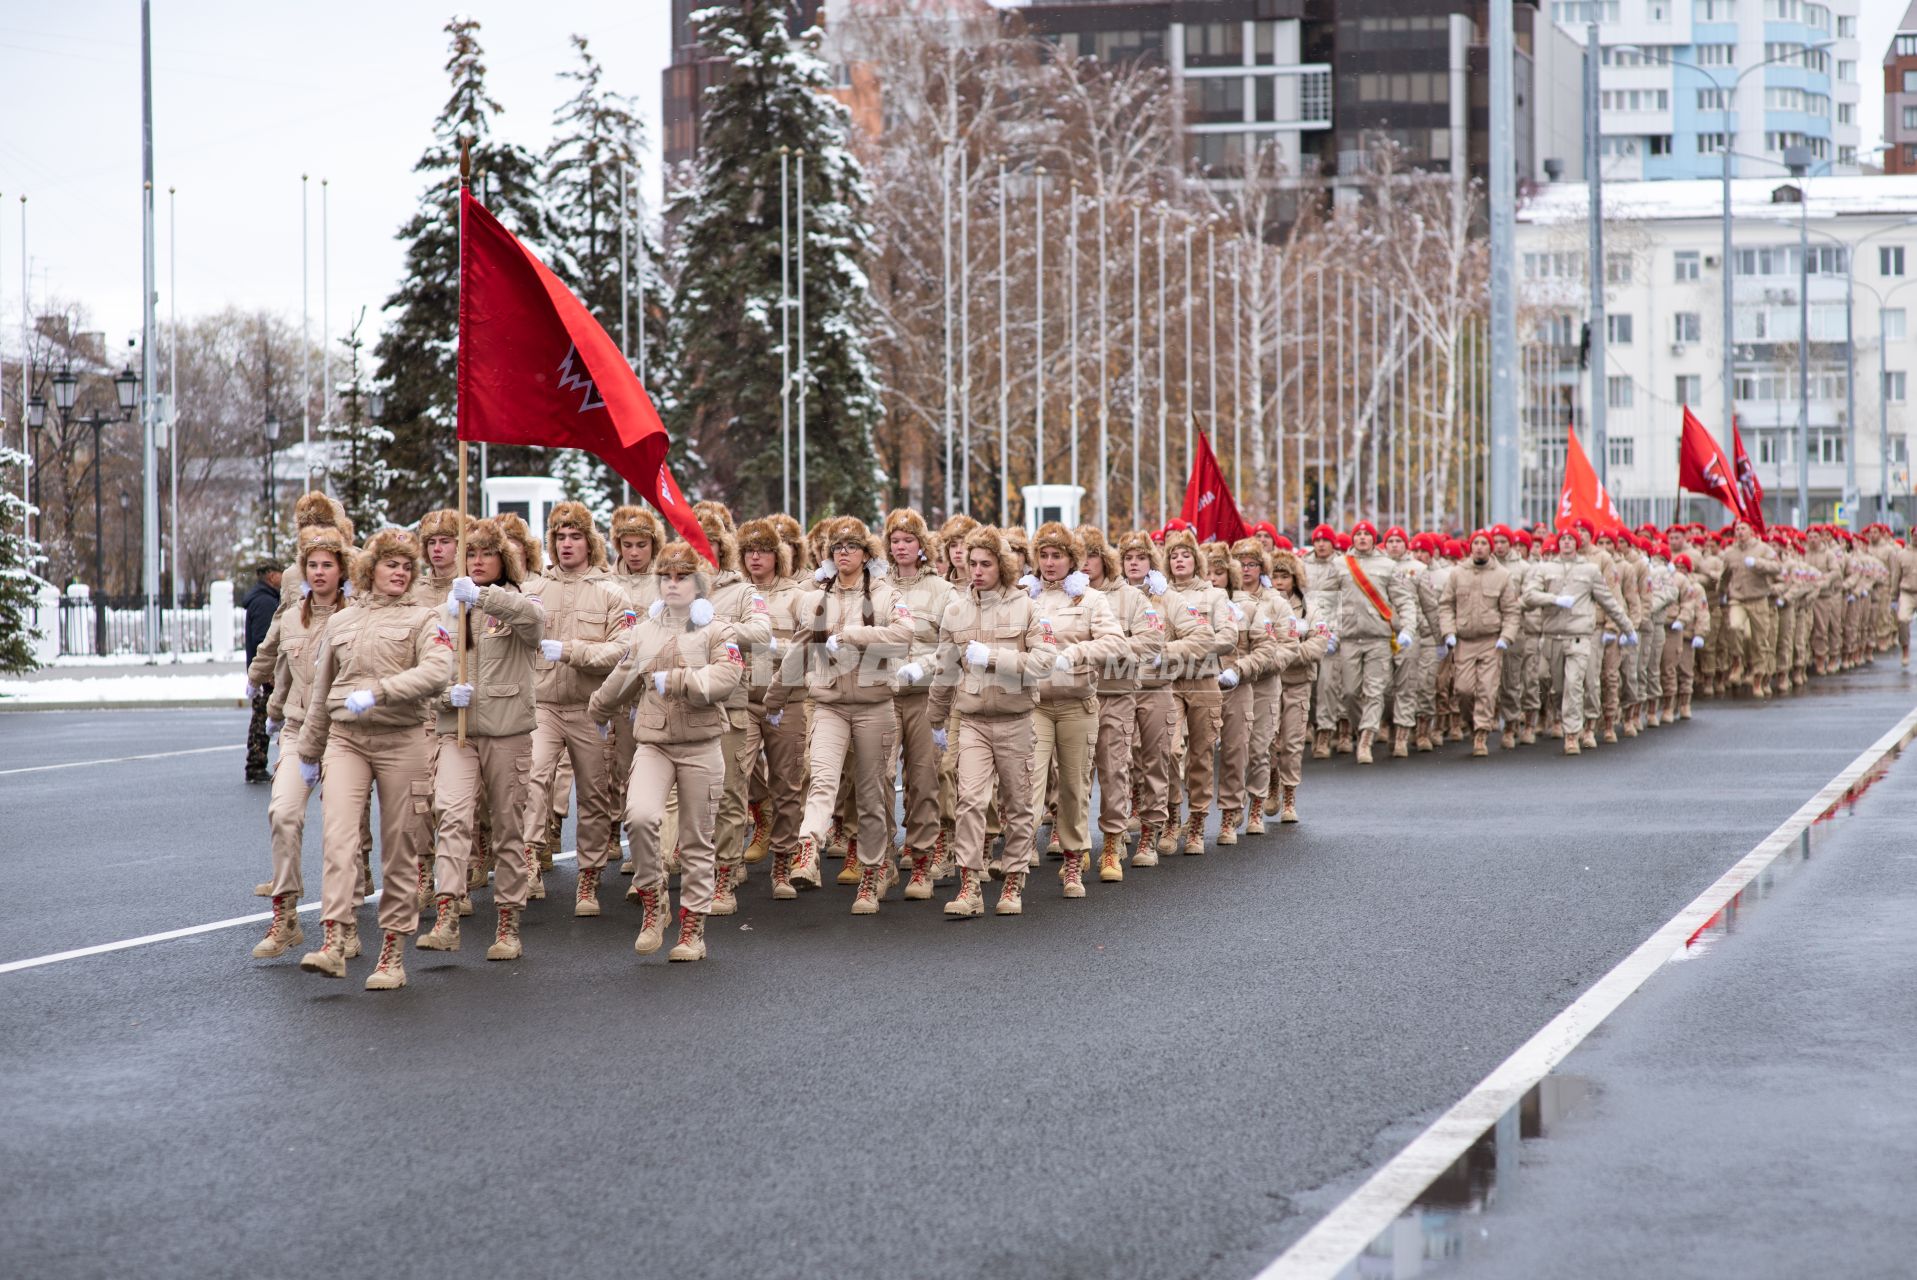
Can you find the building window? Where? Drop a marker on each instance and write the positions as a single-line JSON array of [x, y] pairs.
[[1827, 447], [1846, 113], [1714, 10], [1264, 43], [1893, 325], [1846, 28], [1617, 330], [1794, 54], [1214, 99], [1894, 385], [1687, 326], [1773, 447], [1714, 100], [1221, 155], [1684, 266], [1314, 95], [1214, 44], [1716, 55], [1619, 145], [1617, 268], [1710, 144], [1619, 450], [1635, 100], [1658, 144], [1689, 388], [1910, 117], [1583, 12], [1910, 81], [1619, 392], [1890, 260], [1907, 46]]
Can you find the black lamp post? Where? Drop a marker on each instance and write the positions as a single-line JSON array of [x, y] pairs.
[[272, 511], [66, 392], [37, 421], [126, 503]]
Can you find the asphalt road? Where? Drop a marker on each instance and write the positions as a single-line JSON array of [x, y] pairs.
[[1171, 1078]]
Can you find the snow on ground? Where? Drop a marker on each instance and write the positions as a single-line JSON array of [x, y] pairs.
[[116, 689]]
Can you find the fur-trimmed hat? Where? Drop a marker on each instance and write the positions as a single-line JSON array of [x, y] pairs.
[[530, 552], [389, 541], [1283, 561], [986, 538], [490, 535], [316, 508], [1217, 555], [906, 520], [1252, 549], [1176, 538], [323, 537], [1020, 544], [443, 523], [1092, 538], [763, 535], [718, 511], [793, 536], [679, 557], [715, 520], [1056, 535], [852, 529], [576, 515], [637, 522], [1139, 540]]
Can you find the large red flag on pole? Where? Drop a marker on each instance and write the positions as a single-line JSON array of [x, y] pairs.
[[1750, 494], [535, 368], [1208, 508], [1702, 466], [1583, 496]]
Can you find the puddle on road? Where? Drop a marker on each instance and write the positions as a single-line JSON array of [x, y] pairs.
[[1448, 1219]]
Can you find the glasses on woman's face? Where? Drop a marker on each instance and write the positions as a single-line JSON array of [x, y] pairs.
[[846, 548]]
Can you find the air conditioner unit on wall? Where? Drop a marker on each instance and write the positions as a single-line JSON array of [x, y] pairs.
[[1677, 348], [1710, 260]]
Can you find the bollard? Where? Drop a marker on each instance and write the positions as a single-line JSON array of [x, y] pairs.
[[219, 602]]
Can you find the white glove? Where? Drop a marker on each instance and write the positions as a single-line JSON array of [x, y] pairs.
[[550, 650], [1610, 637], [1750, 562], [1297, 625], [1404, 639], [460, 695], [824, 573], [1155, 582], [1032, 585], [1075, 583], [1331, 645], [1628, 640], [911, 673], [252, 691], [977, 656], [465, 590], [832, 643], [1062, 664], [1567, 602], [1697, 642], [700, 612], [938, 739], [774, 718], [659, 682], [1237, 614], [306, 589], [1678, 625], [273, 727], [1450, 642], [772, 645], [360, 701], [309, 774], [1264, 580], [605, 730], [1228, 679], [1503, 644]]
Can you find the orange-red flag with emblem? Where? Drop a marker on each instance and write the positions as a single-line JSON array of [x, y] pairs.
[[1583, 496]]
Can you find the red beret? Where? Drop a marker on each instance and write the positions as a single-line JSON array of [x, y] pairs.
[[1280, 541], [1324, 531], [1365, 526]]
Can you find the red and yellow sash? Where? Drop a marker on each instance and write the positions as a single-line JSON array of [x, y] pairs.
[[1372, 594]]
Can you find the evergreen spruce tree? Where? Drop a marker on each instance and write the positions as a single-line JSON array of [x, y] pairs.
[[725, 331], [362, 475], [20, 584], [417, 352], [597, 134]]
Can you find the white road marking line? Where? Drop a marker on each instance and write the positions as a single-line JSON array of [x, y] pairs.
[[155, 755], [1341, 1235], [233, 922]]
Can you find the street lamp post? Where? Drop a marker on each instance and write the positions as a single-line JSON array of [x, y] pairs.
[[1797, 160], [36, 422], [272, 512]]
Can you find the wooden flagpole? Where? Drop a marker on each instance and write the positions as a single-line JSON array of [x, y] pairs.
[[459, 555]]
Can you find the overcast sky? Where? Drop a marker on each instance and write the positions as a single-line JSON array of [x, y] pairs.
[[250, 94]]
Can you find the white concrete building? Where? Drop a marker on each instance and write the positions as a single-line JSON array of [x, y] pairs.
[[1664, 335]]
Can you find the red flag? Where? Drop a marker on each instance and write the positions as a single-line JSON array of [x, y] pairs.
[[1750, 493], [1208, 508], [1702, 466], [1583, 496], [535, 368]]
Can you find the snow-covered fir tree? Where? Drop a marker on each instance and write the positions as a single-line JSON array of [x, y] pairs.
[[20, 581], [725, 333], [597, 134], [362, 474], [417, 351]]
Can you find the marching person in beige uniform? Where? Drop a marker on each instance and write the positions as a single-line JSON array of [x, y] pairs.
[[1143, 627], [1195, 690], [1690, 621], [676, 672], [1903, 590], [1430, 569], [285, 661], [856, 629], [1402, 701], [439, 535], [380, 665], [1315, 642], [1189, 640], [1754, 569], [1078, 622], [1377, 615], [581, 643], [992, 654], [1570, 590], [1328, 691], [1259, 649], [500, 632], [952, 536], [637, 536], [916, 577], [1478, 615], [743, 617], [775, 729]]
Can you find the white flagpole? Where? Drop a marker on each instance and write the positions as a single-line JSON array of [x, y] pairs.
[[1191, 232], [945, 310], [1004, 368], [1038, 311], [625, 301], [785, 327], [306, 351], [173, 409], [1211, 331], [26, 387], [1237, 363], [804, 372], [326, 326], [1138, 327], [1163, 480], [1074, 331], [1104, 374], [1278, 393], [965, 329]]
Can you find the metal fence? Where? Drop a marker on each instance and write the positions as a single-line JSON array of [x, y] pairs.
[[99, 626]]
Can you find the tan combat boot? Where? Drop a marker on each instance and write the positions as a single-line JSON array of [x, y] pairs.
[[1364, 747], [655, 906], [555, 827], [1321, 745], [1480, 742], [330, 959], [1571, 747], [1111, 859], [1255, 823], [944, 862], [1288, 797], [352, 940], [970, 901], [585, 897], [1072, 874], [1011, 895], [805, 864], [506, 945], [1607, 729], [1508, 740], [264, 889], [836, 839], [444, 935], [390, 973], [284, 933], [1423, 738], [1527, 734], [423, 891], [535, 880], [692, 937], [1147, 855], [1587, 738], [849, 873], [782, 889], [480, 869], [1169, 837], [924, 868], [1400, 742], [1228, 827], [872, 882], [760, 838], [1345, 740], [1195, 835]]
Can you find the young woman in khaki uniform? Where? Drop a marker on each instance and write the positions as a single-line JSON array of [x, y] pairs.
[[287, 658], [856, 629], [1143, 628], [1296, 681], [1195, 692], [381, 664], [992, 654], [952, 536], [1274, 634], [1252, 657], [743, 618], [501, 631], [1079, 624], [914, 574], [1188, 641], [637, 536], [771, 733], [677, 672]]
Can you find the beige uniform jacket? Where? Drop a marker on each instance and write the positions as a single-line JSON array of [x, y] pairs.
[[870, 652], [1583, 582], [1693, 608], [782, 597], [1262, 643], [398, 648], [926, 595], [1005, 621], [1479, 602], [1325, 589], [1143, 627], [636, 590], [433, 590], [1086, 634], [1189, 639], [1903, 571], [584, 612], [506, 627], [1358, 618], [1313, 637], [1197, 598], [1757, 580], [286, 658], [702, 668], [745, 619]]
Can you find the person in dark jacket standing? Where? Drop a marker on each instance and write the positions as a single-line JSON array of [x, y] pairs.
[[261, 603]]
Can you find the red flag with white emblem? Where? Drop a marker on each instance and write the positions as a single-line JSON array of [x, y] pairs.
[[535, 368], [1702, 466], [1583, 496], [1208, 509]]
